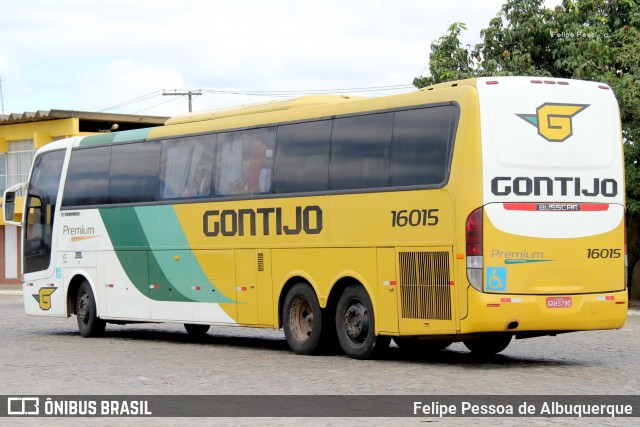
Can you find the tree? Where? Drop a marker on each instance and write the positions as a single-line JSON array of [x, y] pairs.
[[584, 39]]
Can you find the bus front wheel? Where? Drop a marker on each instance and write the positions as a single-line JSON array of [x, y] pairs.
[[89, 324], [302, 319], [355, 325], [488, 345]]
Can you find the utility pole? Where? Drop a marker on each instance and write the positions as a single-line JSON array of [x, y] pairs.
[[188, 94]]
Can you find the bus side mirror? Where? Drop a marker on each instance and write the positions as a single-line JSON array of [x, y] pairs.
[[9, 205]]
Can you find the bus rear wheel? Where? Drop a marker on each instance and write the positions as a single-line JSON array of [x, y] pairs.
[[355, 325], [89, 324], [302, 319], [488, 345]]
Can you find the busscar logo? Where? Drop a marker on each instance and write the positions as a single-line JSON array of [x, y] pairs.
[[44, 297], [554, 121]]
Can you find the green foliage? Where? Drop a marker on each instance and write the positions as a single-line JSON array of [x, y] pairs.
[[453, 61], [584, 39]]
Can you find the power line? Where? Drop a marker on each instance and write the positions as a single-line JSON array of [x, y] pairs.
[[303, 92], [156, 105], [132, 101], [268, 93]]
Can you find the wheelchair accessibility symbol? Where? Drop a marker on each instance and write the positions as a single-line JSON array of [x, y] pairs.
[[496, 279]]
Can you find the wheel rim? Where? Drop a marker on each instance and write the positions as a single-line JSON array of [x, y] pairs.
[[301, 316], [356, 322], [83, 309]]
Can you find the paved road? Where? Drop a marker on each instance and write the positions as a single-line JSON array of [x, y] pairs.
[[47, 356]]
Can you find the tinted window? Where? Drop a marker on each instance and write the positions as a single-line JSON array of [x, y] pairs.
[[302, 157], [88, 177], [360, 152], [245, 162], [421, 146], [46, 174], [187, 167], [42, 196], [134, 172]]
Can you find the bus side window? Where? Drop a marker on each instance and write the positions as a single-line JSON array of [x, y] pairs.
[[421, 146], [245, 162], [302, 157], [228, 167], [134, 172], [87, 180], [360, 152], [187, 167], [35, 220]]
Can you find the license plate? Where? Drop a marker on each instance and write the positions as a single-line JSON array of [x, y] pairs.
[[558, 302]]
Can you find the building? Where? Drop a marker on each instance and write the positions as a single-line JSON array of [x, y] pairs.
[[21, 135]]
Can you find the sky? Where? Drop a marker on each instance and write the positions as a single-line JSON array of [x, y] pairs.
[[118, 56]]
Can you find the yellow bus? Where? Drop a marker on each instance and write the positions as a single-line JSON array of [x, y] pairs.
[[473, 211]]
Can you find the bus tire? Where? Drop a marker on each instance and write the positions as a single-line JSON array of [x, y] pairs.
[[196, 330], [355, 325], [302, 319], [415, 345], [488, 344], [89, 324]]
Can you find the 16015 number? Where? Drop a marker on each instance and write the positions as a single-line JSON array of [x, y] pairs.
[[603, 253], [414, 217]]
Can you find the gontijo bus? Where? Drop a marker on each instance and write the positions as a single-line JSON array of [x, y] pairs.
[[471, 211]]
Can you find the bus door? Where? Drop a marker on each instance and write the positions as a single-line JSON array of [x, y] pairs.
[[41, 293], [253, 287], [213, 286]]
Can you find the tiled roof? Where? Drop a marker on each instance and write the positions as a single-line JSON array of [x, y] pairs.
[[41, 115]]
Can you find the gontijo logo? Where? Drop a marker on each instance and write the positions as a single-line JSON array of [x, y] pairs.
[[553, 121], [44, 297]]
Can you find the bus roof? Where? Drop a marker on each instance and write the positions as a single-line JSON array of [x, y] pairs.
[[264, 107], [302, 108], [454, 83]]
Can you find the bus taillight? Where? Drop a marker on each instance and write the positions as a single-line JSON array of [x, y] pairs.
[[626, 258], [474, 237]]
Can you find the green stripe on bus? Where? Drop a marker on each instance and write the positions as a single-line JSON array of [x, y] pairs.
[[110, 138], [162, 240], [164, 233], [130, 244], [104, 138], [131, 135]]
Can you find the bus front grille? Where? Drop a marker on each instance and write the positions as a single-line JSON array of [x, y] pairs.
[[425, 289]]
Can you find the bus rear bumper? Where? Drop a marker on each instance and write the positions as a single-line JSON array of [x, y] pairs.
[[552, 313]]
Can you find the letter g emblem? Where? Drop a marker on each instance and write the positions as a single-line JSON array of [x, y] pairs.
[[554, 121]]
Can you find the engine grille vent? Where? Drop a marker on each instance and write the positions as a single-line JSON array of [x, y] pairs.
[[425, 290], [260, 261]]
